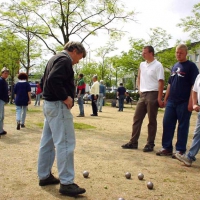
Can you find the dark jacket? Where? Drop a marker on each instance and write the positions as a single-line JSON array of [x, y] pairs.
[[21, 91], [57, 82], [4, 90]]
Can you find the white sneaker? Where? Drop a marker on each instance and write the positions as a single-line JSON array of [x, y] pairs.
[[183, 158]]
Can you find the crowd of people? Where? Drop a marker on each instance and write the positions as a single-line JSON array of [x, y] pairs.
[[57, 85]]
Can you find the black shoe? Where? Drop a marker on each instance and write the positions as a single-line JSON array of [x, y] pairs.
[[49, 181], [22, 126], [148, 148], [129, 146], [81, 115], [18, 126], [71, 190], [3, 133], [93, 115]]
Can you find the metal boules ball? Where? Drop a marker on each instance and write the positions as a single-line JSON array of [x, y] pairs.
[[140, 176], [128, 175], [85, 174], [150, 185]]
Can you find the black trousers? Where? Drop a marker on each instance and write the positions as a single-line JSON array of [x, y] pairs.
[[94, 104]]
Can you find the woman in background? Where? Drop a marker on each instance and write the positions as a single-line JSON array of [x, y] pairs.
[[22, 99], [38, 93]]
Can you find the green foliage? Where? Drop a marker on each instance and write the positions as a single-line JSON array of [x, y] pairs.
[[129, 84], [167, 57], [111, 95], [192, 23], [64, 19], [18, 20]]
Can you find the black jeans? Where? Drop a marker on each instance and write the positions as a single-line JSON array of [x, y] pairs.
[[94, 104]]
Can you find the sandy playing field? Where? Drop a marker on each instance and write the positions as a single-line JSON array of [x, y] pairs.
[[99, 151]]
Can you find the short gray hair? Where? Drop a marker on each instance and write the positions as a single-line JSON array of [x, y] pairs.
[[70, 46], [101, 81]]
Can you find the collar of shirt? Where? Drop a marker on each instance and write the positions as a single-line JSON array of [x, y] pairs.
[[22, 81], [148, 64], [66, 53]]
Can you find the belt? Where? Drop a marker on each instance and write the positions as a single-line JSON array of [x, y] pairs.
[[148, 92]]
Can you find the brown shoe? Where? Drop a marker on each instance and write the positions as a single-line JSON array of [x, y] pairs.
[[129, 146], [49, 181], [164, 152], [148, 148]]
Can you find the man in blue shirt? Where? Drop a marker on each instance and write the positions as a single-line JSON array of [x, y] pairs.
[[102, 93], [121, 92], [178, 103], [3, 96]]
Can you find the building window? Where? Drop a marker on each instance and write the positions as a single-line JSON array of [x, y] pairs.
[[196, 57]]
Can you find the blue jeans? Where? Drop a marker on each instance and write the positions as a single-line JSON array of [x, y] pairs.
[[121, 102], [195, 142], [2, 103], [173, 113], [100, 102], [80, 103], [58, 133], [21, 114], [37, 99]]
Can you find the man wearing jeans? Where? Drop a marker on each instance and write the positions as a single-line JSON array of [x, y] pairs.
[[178, 103], [102, 93], [150, 84], [3, 97], [58, 132], [80, 94], [188, 158], [121, 92]]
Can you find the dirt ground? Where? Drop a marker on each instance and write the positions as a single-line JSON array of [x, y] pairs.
[[99, 151]]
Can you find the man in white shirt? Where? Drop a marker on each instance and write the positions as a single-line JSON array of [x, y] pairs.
[[150, 85], [94, 95]]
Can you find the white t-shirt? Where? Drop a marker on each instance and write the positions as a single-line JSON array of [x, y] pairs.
[[95, 88], [196, 87], [150, 74]]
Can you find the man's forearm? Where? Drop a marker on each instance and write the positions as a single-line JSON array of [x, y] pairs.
[[194, 98]]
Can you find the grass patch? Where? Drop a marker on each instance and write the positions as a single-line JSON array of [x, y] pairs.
[[29, 110], [40, 124], [76, 125], [83, 126]]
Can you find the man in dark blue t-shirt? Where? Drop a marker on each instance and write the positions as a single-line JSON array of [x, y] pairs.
[[121, 91], [178, 103]]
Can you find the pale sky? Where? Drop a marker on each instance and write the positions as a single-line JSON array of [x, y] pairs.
[[152, 13]]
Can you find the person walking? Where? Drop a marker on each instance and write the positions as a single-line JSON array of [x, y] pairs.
[[4, 98], [121, 93], [80, 93], [22, 93], [188, 158], [102, 94], [94, 91], [150, 85], [178, 103], [38, 94], [58, 131]]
